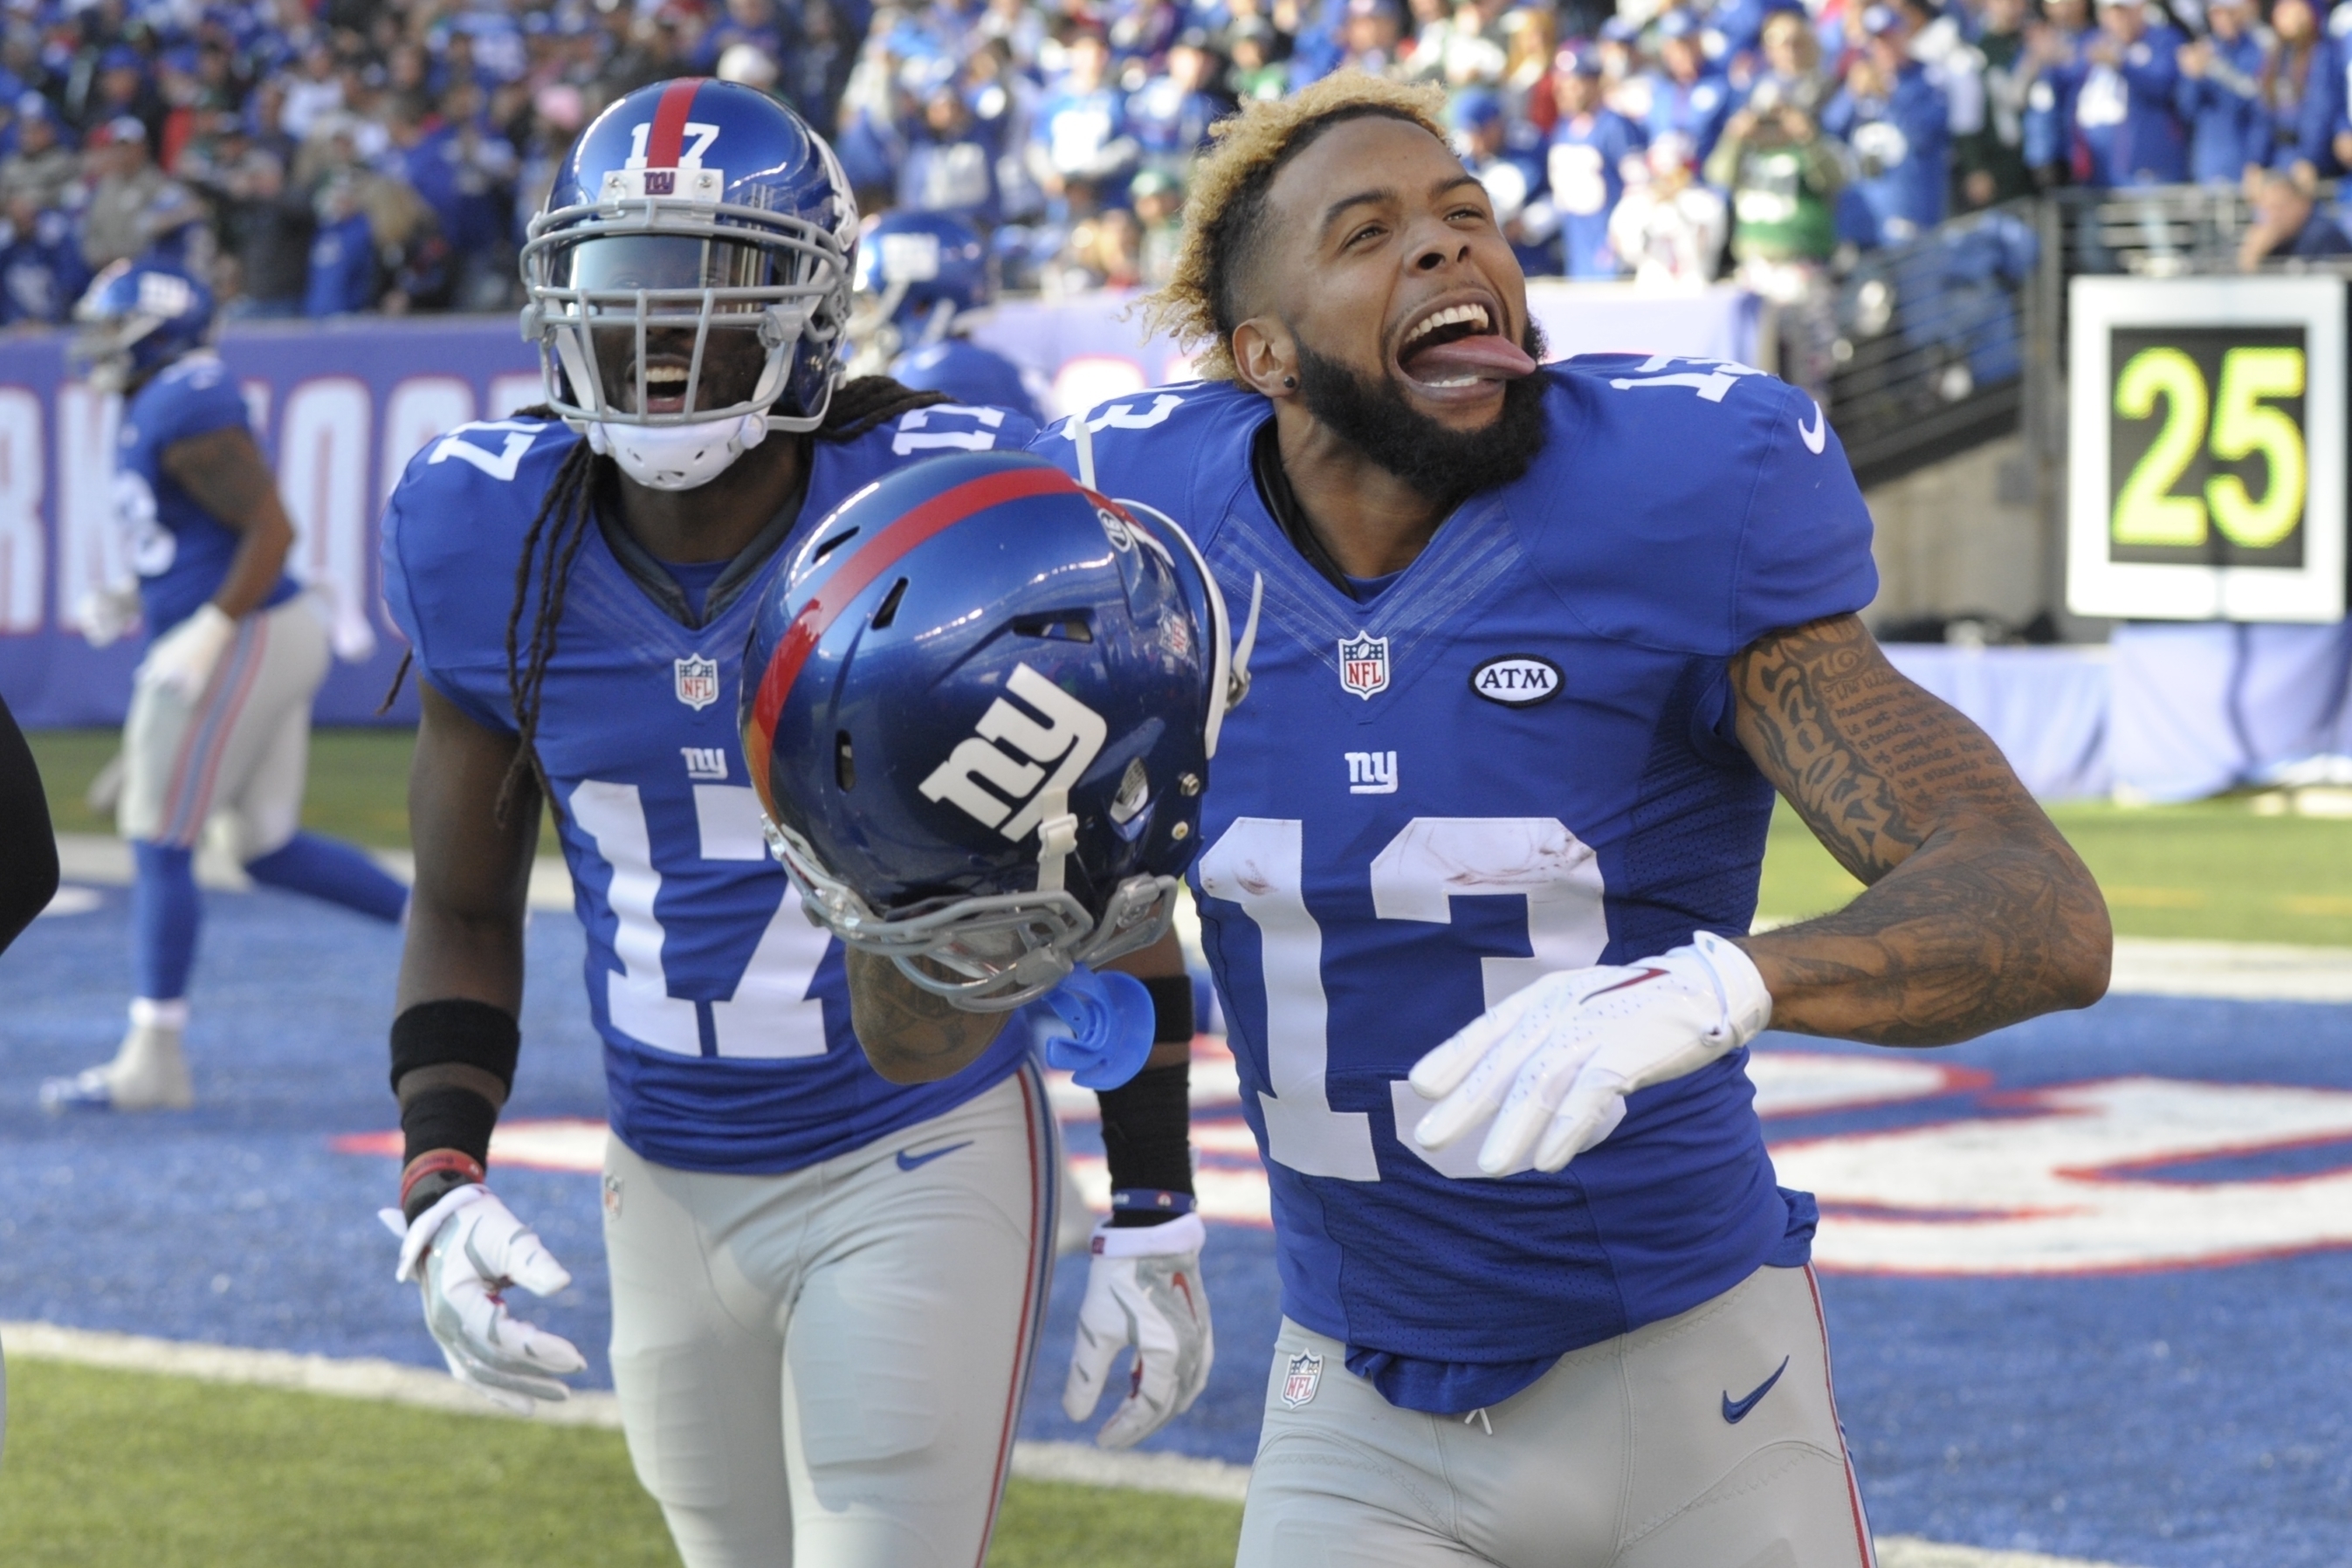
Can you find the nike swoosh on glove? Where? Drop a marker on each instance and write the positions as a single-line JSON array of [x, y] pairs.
[[1143, 1288], [463, 1252], [1553, 1062], [183, 657]]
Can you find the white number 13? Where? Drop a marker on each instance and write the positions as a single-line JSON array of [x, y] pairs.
[[1258, 863]]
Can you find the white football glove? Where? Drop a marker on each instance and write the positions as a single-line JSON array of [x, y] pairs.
[[183, 658], [1553, 1063], [106, 614], [462, 1252], [1143, 1289]]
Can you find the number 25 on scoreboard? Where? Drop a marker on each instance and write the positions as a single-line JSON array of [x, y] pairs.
[[2207, 438]]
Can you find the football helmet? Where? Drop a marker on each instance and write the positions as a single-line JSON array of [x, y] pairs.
[[918, 273], [979, 707], [689, 278], [135, 319]]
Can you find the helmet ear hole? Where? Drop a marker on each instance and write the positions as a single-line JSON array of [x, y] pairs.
[[844, 763]]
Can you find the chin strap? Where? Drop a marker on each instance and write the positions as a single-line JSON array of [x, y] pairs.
[[1058, 840]]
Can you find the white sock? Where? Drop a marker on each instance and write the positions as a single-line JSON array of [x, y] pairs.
[[146, 1012]]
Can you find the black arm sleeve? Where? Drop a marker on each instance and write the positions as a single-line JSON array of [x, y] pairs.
[[29, 847]]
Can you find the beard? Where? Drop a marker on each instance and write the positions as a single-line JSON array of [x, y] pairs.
[[1372, 415]]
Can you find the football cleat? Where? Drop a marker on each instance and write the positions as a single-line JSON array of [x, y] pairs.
[[149, 1072]]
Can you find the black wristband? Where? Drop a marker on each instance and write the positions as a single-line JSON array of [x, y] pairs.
[[474, 1034], [1172, 1008], [449, 1118], [1147, 1126]]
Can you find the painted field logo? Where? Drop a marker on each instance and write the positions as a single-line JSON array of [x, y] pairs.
[[1364, 665], [1517, 680], [698, 681]]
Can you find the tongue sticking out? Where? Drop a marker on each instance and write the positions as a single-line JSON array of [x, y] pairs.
[[1485, 356]]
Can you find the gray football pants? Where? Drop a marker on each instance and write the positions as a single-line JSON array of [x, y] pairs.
[[1625, 1455], [242, 747], [825, 1368]]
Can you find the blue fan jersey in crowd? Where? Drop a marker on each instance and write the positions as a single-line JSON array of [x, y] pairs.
[[721, 1052], [1514, 757], [967, 372], [181, 551], [1582, 166]]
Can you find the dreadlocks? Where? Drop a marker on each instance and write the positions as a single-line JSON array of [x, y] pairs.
[[553, 542]]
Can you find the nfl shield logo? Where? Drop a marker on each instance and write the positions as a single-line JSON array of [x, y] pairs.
[[1305, 1376], [1364, 665], [698, 682]]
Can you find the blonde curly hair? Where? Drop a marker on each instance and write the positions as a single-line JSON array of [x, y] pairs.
[[1225, 208]]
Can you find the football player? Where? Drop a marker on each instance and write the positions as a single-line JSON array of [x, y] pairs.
[[220, 708], [1480, 858], [923, 278], [826, 1289]]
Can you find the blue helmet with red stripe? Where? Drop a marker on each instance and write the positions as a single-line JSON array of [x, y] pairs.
[[689, 278], [979, 709], [919, 272], [135, 319]]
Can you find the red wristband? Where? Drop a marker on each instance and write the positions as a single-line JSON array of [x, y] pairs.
[[426, 1164]]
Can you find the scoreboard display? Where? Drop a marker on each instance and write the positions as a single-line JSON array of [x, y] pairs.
[[2206, 433]]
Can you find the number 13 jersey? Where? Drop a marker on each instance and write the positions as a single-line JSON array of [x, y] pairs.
[[724, 1013], [1515, 756]]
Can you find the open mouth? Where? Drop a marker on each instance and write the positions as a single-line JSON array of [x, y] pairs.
[[665, 386], [1458, 347]]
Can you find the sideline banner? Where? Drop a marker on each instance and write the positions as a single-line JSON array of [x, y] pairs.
[[340, 406], [338, 409]]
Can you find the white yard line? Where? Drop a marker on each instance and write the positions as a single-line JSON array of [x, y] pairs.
[[95, 857], [1072, 1463]]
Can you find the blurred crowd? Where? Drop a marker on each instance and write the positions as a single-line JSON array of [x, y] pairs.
[[322, 157]]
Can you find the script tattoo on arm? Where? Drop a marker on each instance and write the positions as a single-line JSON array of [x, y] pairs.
[[910, 1034], [1976, 913]]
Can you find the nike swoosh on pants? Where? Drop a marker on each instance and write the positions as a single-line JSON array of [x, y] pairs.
[[908, 1162], [1734, 1413]]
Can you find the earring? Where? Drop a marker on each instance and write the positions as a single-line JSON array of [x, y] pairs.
[[1290, 381]]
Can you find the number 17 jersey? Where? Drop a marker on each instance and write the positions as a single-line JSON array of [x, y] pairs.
[[1514, 757], [725, 1015]]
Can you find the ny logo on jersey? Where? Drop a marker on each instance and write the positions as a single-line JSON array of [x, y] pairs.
[[705, 763], [1371, 773], [1364, 665], [1305, 1376], [698, 681], [1010, 751]]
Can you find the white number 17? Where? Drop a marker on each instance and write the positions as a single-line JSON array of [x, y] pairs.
[[1258, 863]]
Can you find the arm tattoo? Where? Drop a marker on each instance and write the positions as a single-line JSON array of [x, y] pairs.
[[909, 1034], [1977, 914], [224, 471]]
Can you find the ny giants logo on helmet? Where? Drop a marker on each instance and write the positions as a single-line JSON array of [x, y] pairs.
[[1010, 751]]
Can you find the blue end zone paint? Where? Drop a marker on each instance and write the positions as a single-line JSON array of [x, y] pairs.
[[2188, 1418]]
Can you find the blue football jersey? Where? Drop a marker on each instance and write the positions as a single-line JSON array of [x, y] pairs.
[[181, 551], [967, 372], [724, 1013], [1516, 757]]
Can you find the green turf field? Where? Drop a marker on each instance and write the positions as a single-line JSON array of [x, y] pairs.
[[2214, 869], [114, 1470]]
